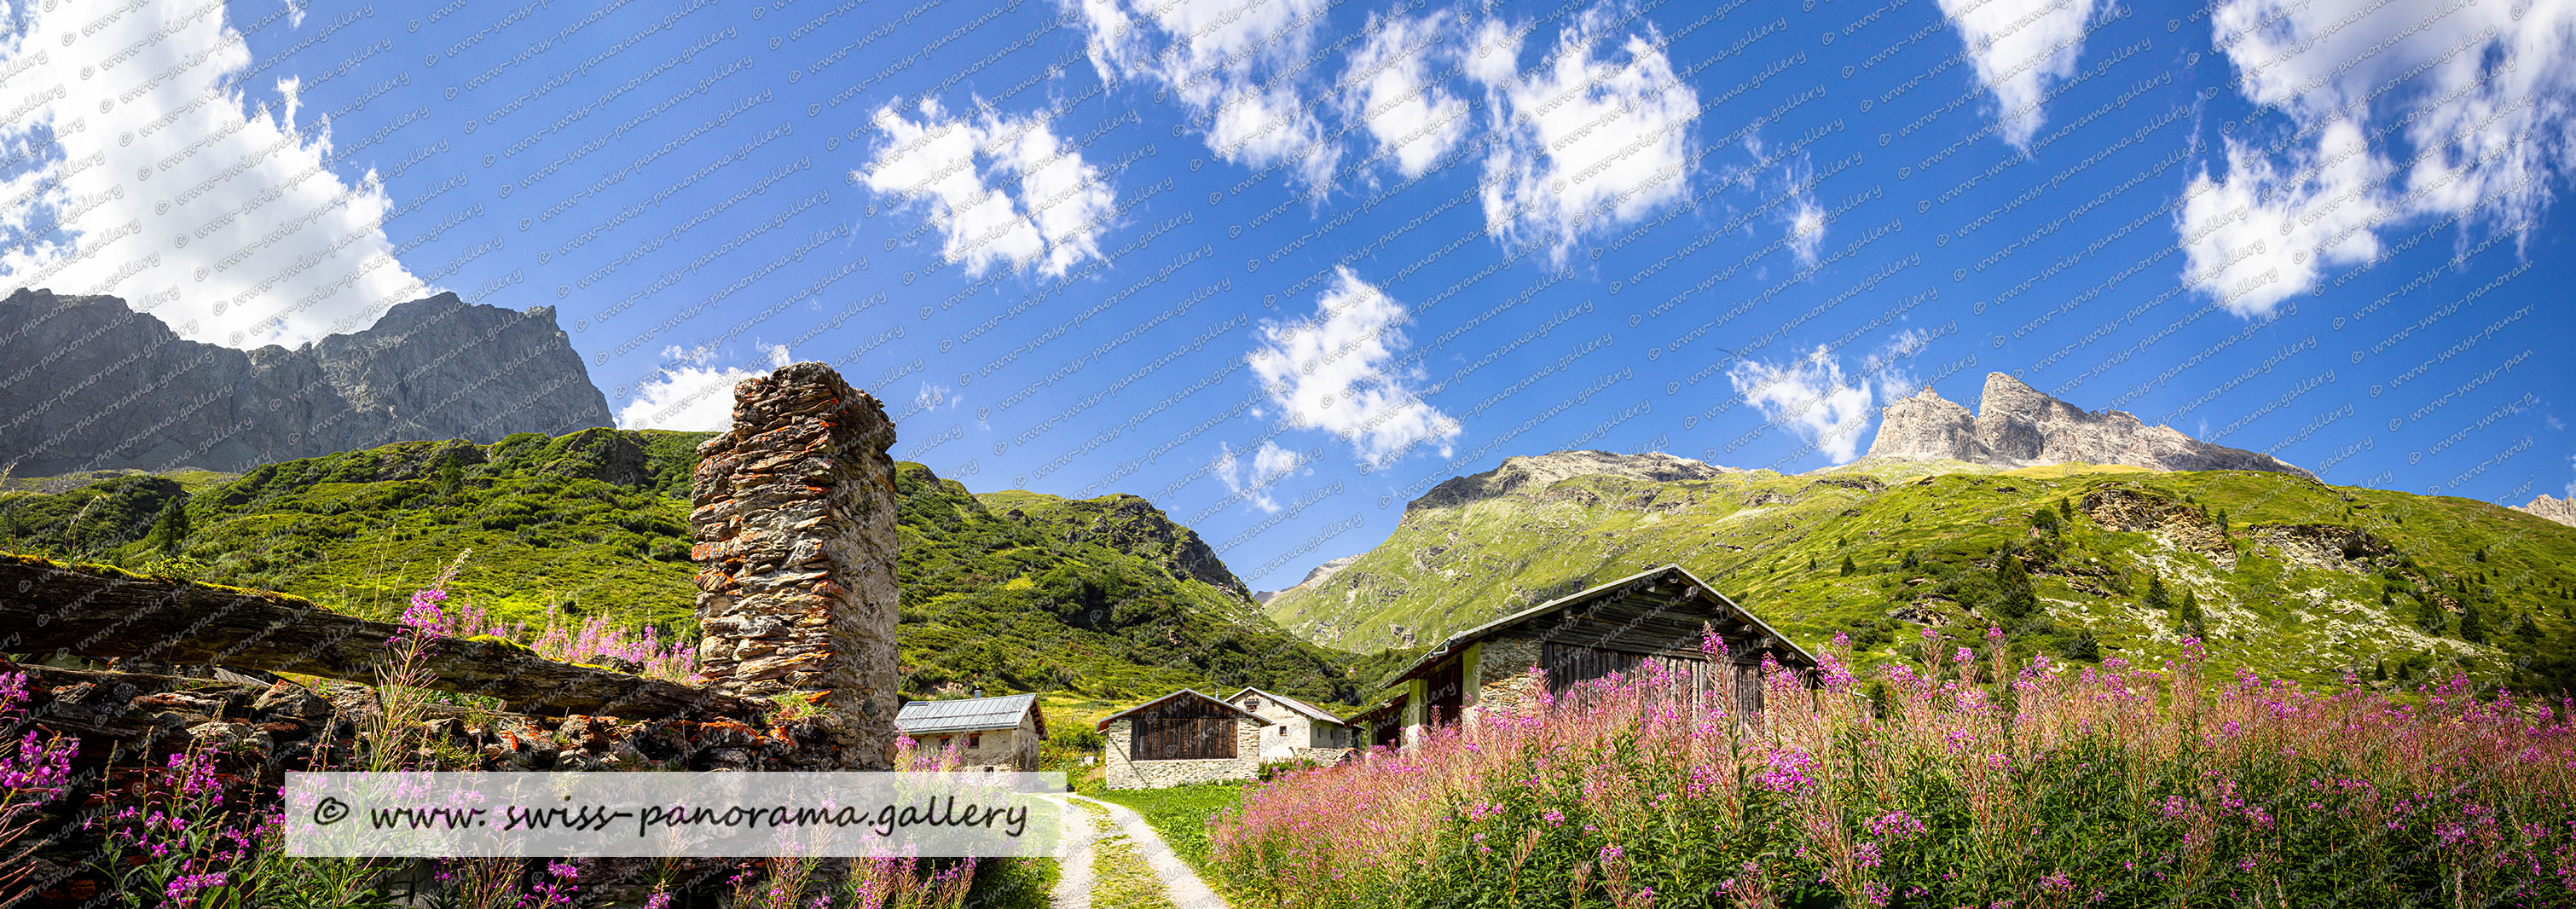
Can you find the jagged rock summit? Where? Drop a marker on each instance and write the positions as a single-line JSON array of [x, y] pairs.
[[1539, 471], [91, 384], [2019, 426], [2560, 510]]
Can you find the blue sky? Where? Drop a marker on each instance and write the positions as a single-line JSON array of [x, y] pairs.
[[1283, 265]]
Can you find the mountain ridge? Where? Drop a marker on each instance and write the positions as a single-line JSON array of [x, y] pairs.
[[2016, 425], [108, 387], [2560, 510]]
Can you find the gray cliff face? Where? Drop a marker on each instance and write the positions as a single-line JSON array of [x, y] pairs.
[[2560, 510], [1542, 470], [2020, 426], [87, 383]]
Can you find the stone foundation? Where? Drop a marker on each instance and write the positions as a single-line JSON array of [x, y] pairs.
[[795, 526]]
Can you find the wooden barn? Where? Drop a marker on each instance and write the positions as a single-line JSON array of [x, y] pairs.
[[1649, 620], [1182, 737]]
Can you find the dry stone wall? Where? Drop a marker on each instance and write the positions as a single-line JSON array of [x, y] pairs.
[[794, 513], [1503, 680]]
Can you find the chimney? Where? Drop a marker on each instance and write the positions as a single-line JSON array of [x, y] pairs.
[[795, 524]]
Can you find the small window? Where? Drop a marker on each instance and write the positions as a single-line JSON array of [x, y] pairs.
[[1251, 703], [975, 740]]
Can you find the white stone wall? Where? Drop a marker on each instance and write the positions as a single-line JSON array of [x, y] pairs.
[[1131, 774], [1295, 729]]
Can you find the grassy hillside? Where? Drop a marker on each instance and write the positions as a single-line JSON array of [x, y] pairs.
[[2279, 573], [596, 524]]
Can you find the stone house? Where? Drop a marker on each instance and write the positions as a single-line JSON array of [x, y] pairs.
[[1300, 730], [991, 734], [1182, 737], [1652, 620]]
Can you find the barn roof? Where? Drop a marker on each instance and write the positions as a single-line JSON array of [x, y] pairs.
[[1290, 703], [934, 717], [1687, 588], [1103, 725]]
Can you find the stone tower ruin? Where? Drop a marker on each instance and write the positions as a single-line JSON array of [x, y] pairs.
[[794, 517]]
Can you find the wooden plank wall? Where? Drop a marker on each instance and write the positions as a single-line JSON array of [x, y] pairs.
[[1184, 729]]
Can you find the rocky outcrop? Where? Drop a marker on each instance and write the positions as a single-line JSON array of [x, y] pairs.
[[2019, 426], [91, 384], [2560, 510], [795, 522], [1541, 471]]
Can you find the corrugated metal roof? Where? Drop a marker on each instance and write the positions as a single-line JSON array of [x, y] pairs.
[[1003, 712]]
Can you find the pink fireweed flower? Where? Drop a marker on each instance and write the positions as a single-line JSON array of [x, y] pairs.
[[43, 767], [1610, 853], [1554, 818], [196, 774], [1962, 656], [1789, 771], [1896, 825], [1994, 634], [2175, 806], [1866, 855]]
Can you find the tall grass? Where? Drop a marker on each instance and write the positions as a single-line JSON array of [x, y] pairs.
[[197, 832], [1963, 782]]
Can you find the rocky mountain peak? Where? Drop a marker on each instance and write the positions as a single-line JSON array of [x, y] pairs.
[[2019, 426], [2560, 510], [104, 386]]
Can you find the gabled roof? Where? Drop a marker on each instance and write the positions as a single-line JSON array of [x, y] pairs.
[[1636, 581], [1103, 725], [1290, 703], [933, 717]]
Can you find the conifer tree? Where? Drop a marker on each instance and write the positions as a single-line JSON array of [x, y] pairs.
[[2188, 614], [171, 529]]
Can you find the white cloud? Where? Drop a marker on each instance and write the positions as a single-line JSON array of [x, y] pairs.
[[1881, 367], [2019, 48], [1251, 478], [1388, 89], [960, 166], [1817, 400], [1806, 218], [151, 178], [2395, 112], [1335, 372], [691, 398], [1581, 144], [933, 395], [1233, 63], [2262, 233]]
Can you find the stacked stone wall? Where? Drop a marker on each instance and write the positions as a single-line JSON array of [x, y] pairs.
[[1503, 681], [794, 514]]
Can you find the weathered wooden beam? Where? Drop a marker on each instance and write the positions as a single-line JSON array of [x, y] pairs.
[[97, 611]]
